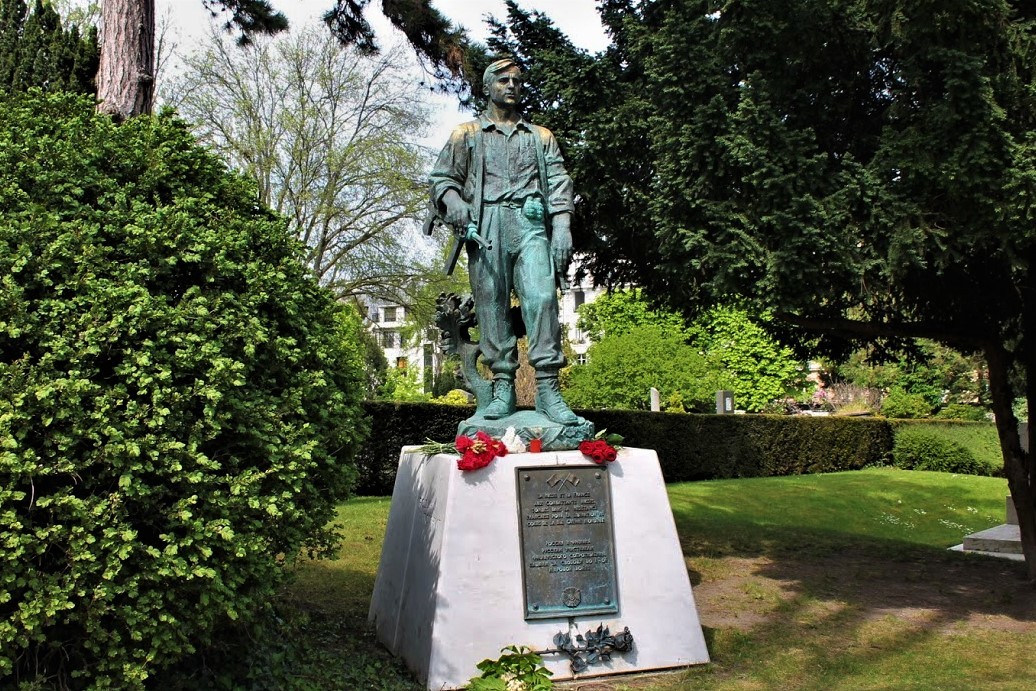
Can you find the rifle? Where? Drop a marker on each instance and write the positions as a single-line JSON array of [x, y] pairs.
[[469, 234]]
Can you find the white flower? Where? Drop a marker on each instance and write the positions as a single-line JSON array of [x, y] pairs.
[[512, 681], [512, 441]]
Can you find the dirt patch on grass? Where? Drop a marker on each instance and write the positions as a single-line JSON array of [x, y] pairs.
[[943, 591], [845, 601]]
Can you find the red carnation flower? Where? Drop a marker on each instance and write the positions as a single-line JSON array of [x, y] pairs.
[[478, 452], [598, 450]]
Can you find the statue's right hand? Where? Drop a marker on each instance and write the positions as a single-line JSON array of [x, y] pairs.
[[458, 211]]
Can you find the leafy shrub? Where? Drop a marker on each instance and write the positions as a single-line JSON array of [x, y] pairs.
[[178, 400], [703, 447], [900, 404], [453, 397], [395, 425], [622, 369], [917, 450], [762, 370], [963, 411], [979, 440], [1021, 409], [402, 384]]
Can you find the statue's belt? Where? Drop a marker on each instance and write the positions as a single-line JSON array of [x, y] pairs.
[[531, 206]]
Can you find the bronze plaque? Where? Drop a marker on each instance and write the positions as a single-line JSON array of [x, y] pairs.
[[568, 551]]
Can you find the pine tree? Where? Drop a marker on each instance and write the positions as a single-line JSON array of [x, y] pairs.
[[36, 50]]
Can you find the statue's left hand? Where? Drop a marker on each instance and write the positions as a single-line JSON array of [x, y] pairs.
[[561, 242]]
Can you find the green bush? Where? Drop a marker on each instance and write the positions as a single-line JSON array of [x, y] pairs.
[[700, 447], [917, 450], [900, 404], [956, 444], [178, 400], [689, 447], [963, 411], [622, 370], [395, 425], [704, 447]]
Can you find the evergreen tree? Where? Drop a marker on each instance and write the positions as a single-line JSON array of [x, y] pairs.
[[865, 169], [37, 51]]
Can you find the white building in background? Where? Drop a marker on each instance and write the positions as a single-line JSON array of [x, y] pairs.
[[386, 322], [579, 293]]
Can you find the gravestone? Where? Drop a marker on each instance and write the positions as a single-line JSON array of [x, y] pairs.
[[532, 546], [1005, 540]]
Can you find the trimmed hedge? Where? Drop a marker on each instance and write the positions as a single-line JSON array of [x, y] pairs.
[[970, 448], [705, 447], [395, 425], [690, 447]]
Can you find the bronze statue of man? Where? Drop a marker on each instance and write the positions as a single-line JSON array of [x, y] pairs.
[[504, 179]]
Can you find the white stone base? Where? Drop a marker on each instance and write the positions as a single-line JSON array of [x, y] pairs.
[[1003, 541], [449, 590]]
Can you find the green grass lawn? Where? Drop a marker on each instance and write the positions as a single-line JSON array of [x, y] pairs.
[[843, 581], [897, 511], [839, 581]]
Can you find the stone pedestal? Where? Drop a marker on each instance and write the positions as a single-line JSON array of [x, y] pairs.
[[1004, 541], [450, 593]]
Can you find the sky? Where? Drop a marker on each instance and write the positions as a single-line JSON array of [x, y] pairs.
[[577, 18]]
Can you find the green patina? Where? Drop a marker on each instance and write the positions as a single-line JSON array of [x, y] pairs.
[[501, 183]]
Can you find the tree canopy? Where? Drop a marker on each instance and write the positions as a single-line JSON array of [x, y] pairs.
[[330, 136], [617, 312], [865, 169], [126, 76], [36, 50]]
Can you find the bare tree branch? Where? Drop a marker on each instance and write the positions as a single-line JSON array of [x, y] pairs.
[[330, 137]]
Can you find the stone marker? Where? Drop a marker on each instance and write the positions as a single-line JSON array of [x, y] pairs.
[[453, 584], [1004, 540]]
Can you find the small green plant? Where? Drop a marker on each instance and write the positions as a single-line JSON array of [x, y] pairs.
[[454, 397], [917, 450], [963, 411], [900, 404], [518, 669]]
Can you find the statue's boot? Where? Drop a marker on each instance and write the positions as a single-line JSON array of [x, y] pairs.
[[550, 403], [504, 402]]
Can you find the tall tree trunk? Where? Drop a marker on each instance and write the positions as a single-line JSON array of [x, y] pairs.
[[1017, 461], [126, 77]]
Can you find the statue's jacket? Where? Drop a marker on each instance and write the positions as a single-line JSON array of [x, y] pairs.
[[461, 166]]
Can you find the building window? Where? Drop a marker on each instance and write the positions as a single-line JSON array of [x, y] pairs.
[[579, 297], [390, 314], [389, 339], [581, 359], [401, 363]]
